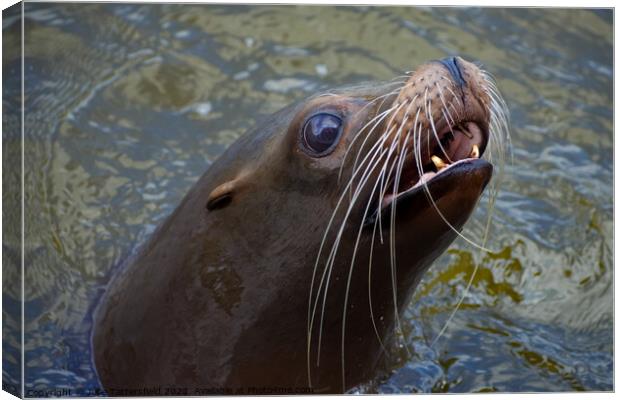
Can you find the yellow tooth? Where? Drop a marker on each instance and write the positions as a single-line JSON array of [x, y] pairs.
[[475, 152], [438, 162]]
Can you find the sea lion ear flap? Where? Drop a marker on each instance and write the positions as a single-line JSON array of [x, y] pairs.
[[222, 195]]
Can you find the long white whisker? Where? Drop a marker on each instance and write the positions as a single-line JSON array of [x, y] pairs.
[[311, 310], [470, 282], [429, 117], [386, 112], [331, 257], [327, 270], [372, 243], [348, 285], [393, 244], [377, 119], [394, 112], [380, 170]]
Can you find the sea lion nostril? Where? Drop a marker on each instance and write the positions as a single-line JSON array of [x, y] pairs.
[[451, 63]]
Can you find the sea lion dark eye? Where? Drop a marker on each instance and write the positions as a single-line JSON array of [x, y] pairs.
[[321, 132]]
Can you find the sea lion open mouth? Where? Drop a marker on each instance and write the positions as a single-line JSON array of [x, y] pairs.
[[460, 147]]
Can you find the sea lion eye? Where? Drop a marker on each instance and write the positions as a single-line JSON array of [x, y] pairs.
[[321, 132]]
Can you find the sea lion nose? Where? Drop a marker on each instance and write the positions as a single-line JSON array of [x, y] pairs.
[[452, 64]]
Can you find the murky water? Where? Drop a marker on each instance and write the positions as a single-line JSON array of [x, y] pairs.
[[128, 104]]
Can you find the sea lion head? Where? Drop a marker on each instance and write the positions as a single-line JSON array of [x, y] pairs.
[[304, 240], [357, 191]]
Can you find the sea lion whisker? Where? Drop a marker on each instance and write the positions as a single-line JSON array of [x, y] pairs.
[[402, 158], [383, 189], [411, 103], [434, 204], [380, 180], [494, 190], [471, 278], [498, 104], [382, 175], [381, 118], [448, 119], [385, 136], [448, 87], [396, 81], [489, 80], [498, 110], [348, 284], [418, 153], [429, 196], [311, 309], [372, 153], [499, 113], [493, 92], [394, 112], [380, 142], [377, 222], [331, 256], [456, 111], [372, 315], [445, 110], [429, 116], [385, 183], [496, 125], [378, 118], [327, 94], [499, 130], [376, 99], [417, 157], [404, 76], [447, 116], [331, 259], [455, 99], [383, 97]]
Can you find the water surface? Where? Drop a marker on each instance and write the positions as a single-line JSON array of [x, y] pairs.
[[127, 105]]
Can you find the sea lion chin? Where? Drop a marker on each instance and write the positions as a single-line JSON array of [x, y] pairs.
[[286, 265]]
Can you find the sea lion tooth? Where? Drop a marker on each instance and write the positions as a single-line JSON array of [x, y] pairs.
[[475, 152], [438, 162]]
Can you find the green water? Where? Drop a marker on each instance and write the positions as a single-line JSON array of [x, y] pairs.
[[127, 105]]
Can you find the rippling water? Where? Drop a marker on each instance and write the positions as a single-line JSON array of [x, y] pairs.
[[127, 105]]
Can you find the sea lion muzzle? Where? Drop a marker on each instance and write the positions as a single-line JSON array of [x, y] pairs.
[[439, 122]]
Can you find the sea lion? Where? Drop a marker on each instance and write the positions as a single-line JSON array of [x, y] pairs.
[[285, 267]]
